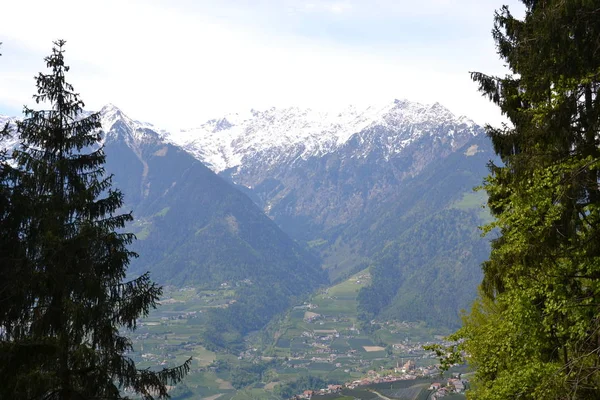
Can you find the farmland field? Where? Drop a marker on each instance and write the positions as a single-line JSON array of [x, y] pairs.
[[320, 337]]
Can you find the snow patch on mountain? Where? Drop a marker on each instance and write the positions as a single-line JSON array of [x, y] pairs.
[[286, 135], [278, 135], [116, 124]]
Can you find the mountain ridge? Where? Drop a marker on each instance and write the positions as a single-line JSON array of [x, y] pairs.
[[284, 135], [228, 141], [352, 187]]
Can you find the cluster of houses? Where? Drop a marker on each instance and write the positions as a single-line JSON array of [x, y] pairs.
[[305, 306], [155, 358], [383, 379], [245, 282], [454, 385], [407, 371], [308, 394]]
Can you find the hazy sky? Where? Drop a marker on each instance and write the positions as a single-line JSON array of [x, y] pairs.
[[177, 63]]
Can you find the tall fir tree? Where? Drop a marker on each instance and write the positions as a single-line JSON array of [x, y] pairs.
[[63, 299], [535, 331]]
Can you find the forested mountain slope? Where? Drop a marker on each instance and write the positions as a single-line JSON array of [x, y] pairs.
[[430, 264], [386, 187]]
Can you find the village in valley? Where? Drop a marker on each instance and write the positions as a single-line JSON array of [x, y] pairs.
[[441, 388], [321, 338], [412, 362]]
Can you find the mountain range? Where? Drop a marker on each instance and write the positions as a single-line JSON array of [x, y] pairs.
[[292, 198], [387, 187]]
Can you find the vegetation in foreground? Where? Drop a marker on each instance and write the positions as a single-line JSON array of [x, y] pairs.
[[535, 331], [63, 260]]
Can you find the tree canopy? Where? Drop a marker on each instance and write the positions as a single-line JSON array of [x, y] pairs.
[[63, 260], [535, 331]]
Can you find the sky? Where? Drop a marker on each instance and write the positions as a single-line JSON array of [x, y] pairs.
[[177, 63]]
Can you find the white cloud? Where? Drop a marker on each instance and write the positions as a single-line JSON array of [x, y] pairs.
[[176, 64]]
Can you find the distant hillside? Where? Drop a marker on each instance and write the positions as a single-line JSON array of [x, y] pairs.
[[425, 243]]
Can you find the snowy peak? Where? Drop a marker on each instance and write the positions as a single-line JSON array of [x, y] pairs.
[[118, 126], [109, 114], [279, 135], [115, 124], [406, 112]]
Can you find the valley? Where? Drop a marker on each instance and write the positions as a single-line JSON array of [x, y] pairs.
[[310, 200], [320, 338], [299, 250]]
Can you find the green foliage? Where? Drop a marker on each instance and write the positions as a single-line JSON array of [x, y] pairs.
[[253, 309], [64, 258], [244, 374], [427, 263], [181, 391], [241, 378], [448, 355], [535, 332], [408, 281]]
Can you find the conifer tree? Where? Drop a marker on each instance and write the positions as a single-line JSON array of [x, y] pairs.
[[64, 258], [535, 332]]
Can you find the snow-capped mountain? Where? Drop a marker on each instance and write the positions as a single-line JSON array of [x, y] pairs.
[[365, 186], [278, 136], [325, 168], [361, 186], [116, 124], [297, 163]]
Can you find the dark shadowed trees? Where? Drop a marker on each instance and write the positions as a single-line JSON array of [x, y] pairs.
[[63, 298]]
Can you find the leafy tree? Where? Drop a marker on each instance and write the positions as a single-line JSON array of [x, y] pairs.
[[535, 332], [64, 260]]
